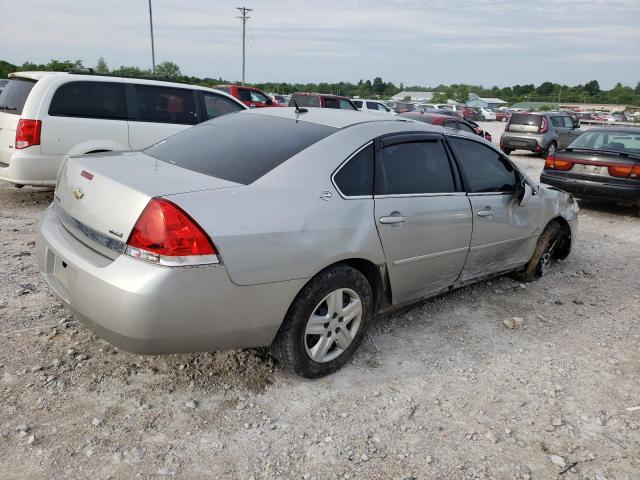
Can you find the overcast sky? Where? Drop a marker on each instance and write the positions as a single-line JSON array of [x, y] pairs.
[[424, 42]]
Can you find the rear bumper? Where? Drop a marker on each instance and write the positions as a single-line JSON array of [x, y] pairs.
[[146, 308], [532, 144], [30, 167], [587, 189]]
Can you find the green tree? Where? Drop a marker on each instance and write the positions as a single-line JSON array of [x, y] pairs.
[[168, 69], [130, 71], [592, 87], [101, 66]]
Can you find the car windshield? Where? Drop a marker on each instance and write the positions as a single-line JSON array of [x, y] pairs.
[[14, 95], [239, 147], [610, 140], [526, 119]]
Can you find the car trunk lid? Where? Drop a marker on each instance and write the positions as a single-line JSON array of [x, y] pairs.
[[100, 197], [595, 166]]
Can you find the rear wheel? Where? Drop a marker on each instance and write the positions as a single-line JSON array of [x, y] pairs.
[[543, 255], [325, 323], [550, 150]]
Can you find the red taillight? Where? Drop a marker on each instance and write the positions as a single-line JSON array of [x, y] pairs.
[[543, 125], [28, 133], [165, 230], [625, 171], [555, 163]]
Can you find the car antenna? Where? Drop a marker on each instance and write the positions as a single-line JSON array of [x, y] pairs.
[[298, 109]]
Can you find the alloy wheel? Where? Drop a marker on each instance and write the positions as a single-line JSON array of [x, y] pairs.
[[333, 325]]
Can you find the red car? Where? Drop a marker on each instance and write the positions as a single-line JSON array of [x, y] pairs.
[[503, 115], [252, 97], [321, 100], [448, 121]]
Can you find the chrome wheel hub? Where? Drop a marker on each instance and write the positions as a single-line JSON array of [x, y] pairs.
[[333, 325]]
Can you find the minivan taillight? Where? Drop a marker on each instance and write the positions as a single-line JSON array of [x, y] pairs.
[[544, 126], [28, 133], [167, 235]]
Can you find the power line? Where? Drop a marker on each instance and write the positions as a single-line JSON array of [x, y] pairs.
[[244, 18]]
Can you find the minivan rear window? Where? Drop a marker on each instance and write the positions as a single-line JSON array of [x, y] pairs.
[[14, 95], [525, 119], [239, 147]]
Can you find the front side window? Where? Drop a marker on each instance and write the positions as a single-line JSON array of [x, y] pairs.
[[90, 100], [244, 94], [355, 178], [358, 103], [413, 168], [466, 128], [165, 105], [345, 104], [257, 97], [567, 122], [484, 169], [557, 122], [216, 105]]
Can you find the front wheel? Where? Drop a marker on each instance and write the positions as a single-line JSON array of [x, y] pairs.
[[543, 255], [325, 323]]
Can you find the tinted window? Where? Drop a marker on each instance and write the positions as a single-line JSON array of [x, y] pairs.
[[90, 99], [216, 105], [525, 119], [372, 105], [14, 95], [244, 94], [165, 105], [355, 178], [466, 128], [331, 103], [240, 148], [305, 101], [358, 103], [416, 167], [485, 169]]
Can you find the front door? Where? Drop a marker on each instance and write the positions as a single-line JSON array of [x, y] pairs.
[[423, 219], [504, 233]]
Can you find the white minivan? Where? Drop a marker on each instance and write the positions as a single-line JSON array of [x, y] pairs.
[[46, 116]]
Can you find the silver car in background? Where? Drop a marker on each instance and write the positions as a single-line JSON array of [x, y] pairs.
[[289, 228]]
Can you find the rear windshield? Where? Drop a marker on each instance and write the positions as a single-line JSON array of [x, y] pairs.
[[239, 147], [525, 119], [305, 101], [14, 95], [609, 140]]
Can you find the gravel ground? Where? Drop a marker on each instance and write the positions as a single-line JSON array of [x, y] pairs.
[[444, 390]]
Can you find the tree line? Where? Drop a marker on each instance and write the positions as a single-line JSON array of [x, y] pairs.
[[548, 92]]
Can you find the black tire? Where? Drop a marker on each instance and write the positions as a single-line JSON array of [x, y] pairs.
[[507, 151], [552, 147], [290, 345], [542, 255]]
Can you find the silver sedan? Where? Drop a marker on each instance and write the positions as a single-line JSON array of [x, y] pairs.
[[289, 228]]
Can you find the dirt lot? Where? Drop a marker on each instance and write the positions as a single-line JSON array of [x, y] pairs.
[[444, 390]]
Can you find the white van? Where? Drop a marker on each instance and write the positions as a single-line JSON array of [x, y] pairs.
[[45, 116], [371, 106]]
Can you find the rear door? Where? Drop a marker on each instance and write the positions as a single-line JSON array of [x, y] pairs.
[[423, 219], [156, 112], [504, 233], [558, 126], [12, 99]]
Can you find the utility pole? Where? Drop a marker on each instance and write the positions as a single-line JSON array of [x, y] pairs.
[[244, 18], [153, 51]]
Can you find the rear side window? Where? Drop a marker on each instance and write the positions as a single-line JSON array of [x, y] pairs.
[[372, 105], [484, 169], [165, 105], [355, 178], [90, 100], [14, 95], [240, 148], [525, 119], [332, 103], [216, 105], [414, 168]]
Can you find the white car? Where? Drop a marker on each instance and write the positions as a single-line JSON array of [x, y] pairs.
[[46, 116], [372, 106], [487, 114]]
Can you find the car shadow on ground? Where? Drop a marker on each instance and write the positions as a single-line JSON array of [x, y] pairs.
[[610, 208]]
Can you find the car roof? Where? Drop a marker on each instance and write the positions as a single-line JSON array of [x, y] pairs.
[[331, 117], [34, 75]]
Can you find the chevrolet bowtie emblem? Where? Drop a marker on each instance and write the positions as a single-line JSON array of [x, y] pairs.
[[78, 193]]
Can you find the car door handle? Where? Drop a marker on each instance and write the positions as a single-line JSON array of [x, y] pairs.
[[393, 220], [485, 213]]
